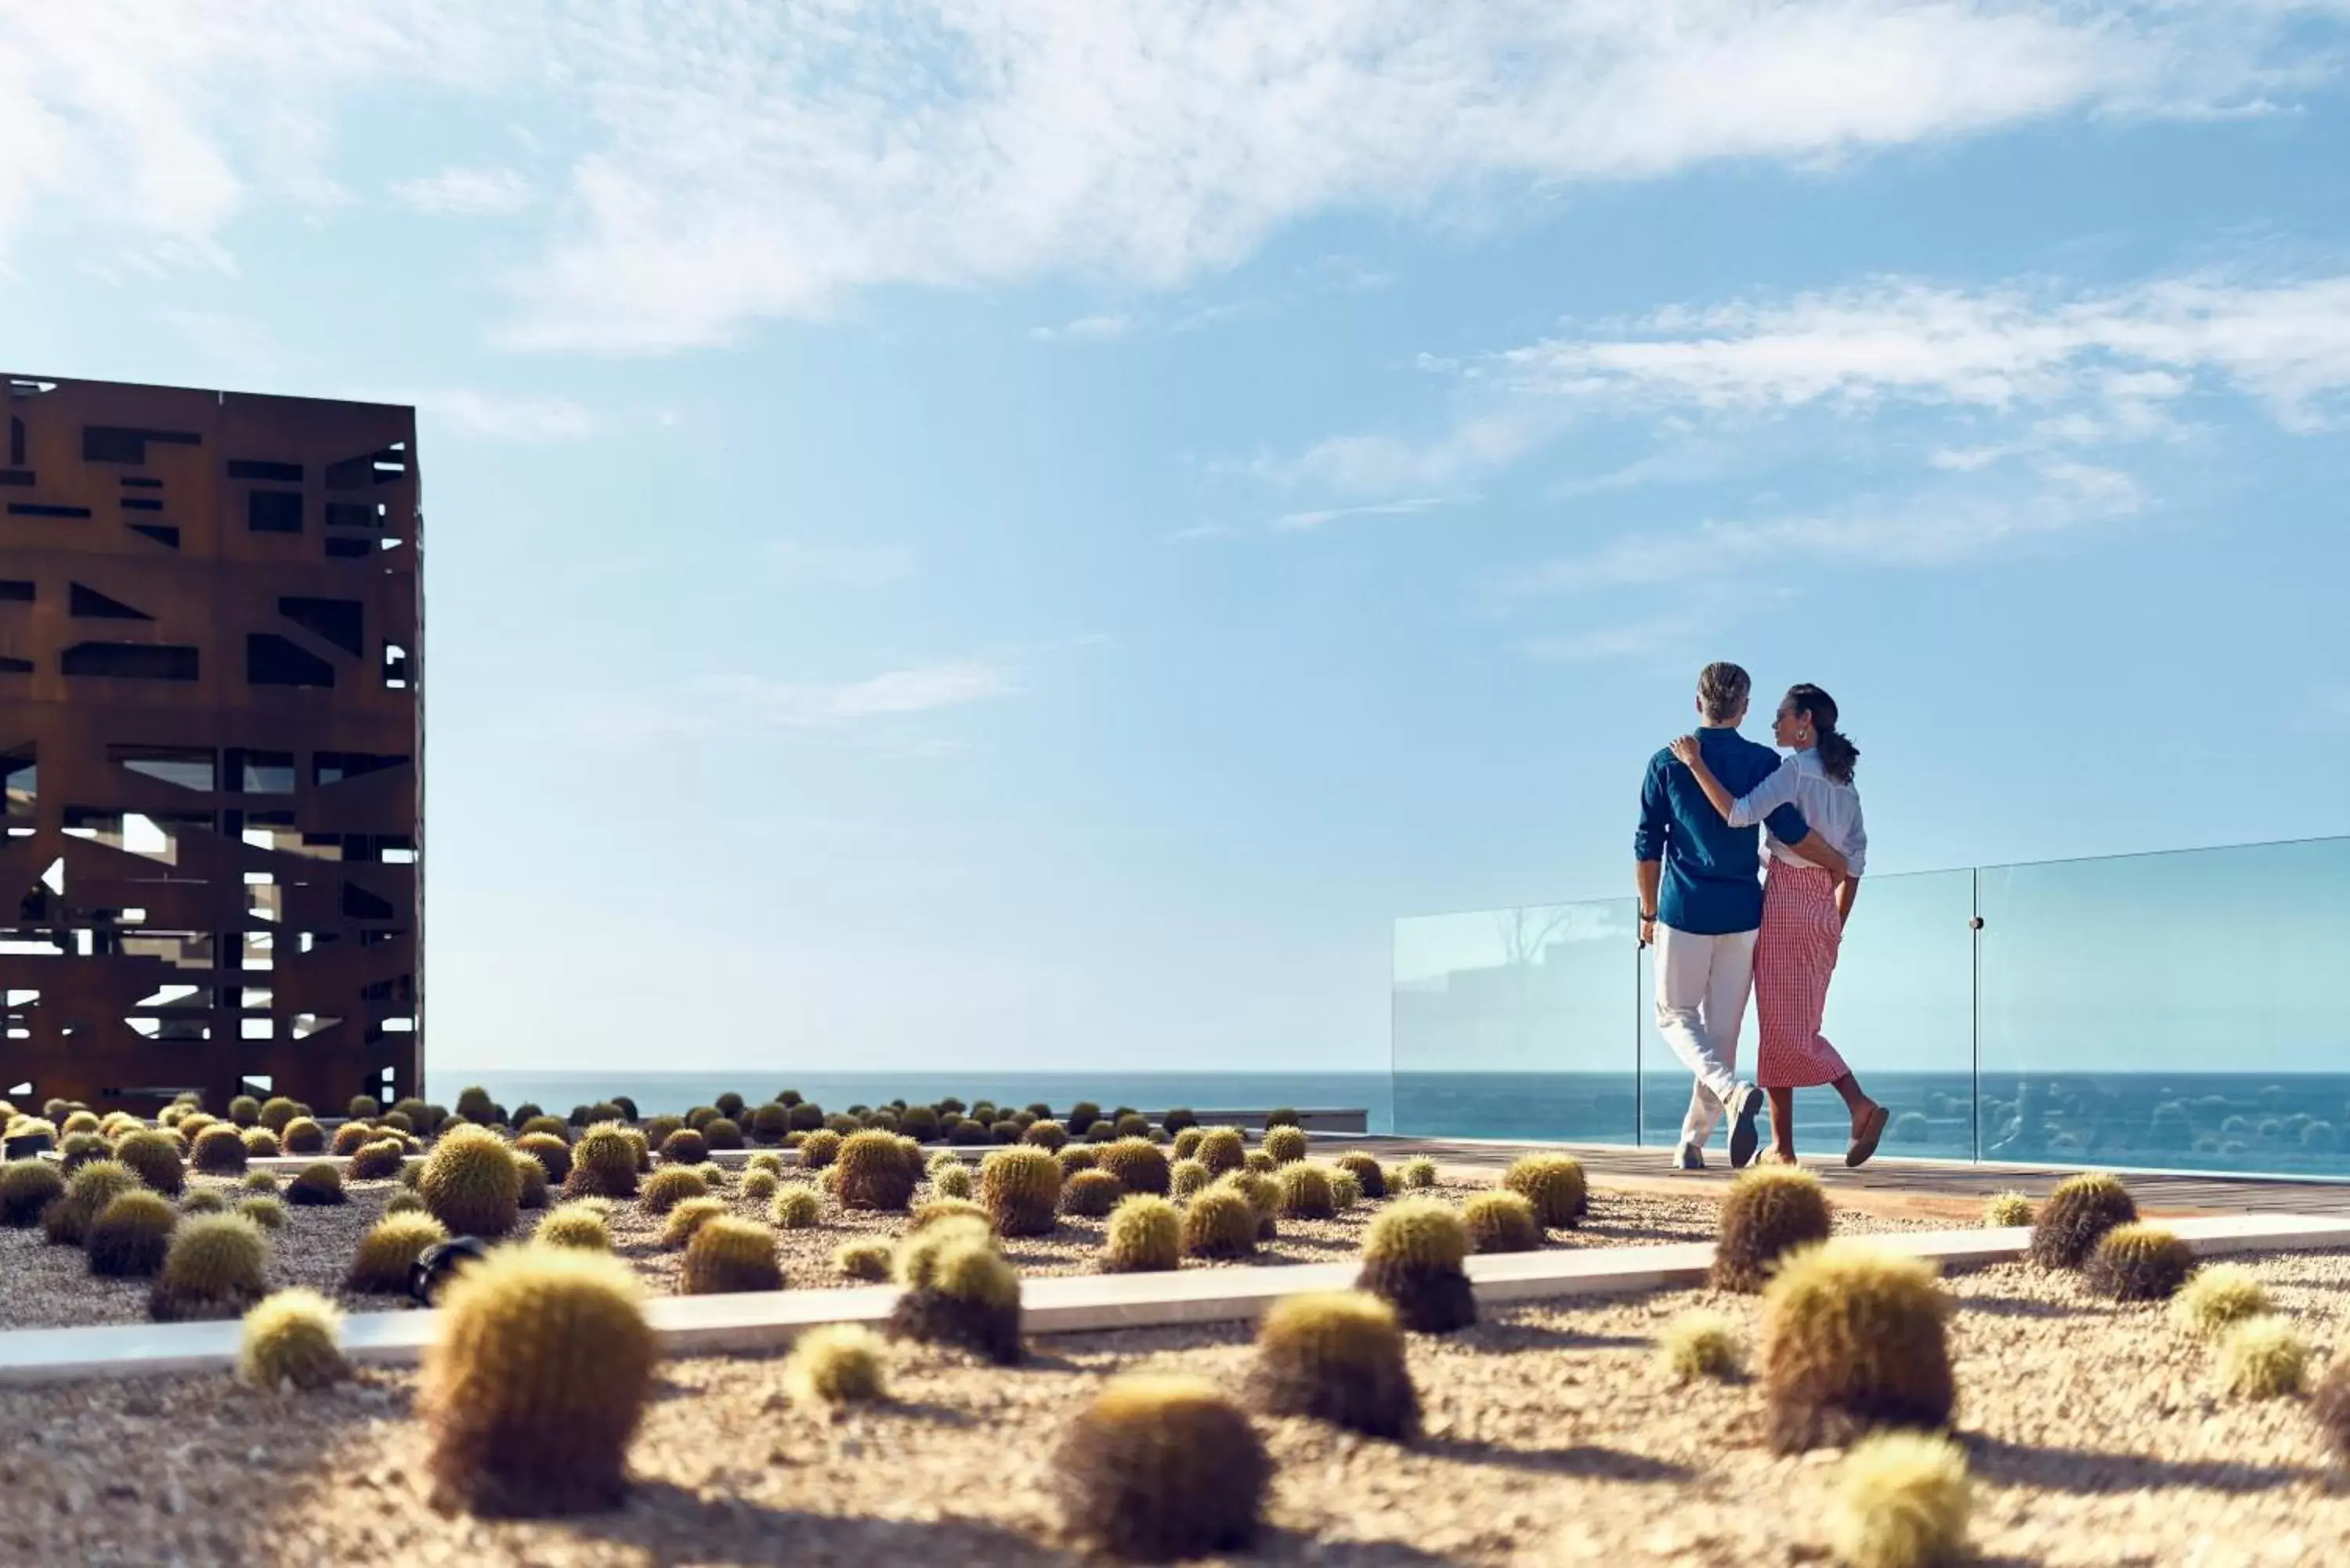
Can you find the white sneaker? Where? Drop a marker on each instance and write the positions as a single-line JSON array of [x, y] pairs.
[[1688, 1158]]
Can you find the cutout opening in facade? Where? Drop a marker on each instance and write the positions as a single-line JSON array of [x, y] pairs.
[[130, 661]]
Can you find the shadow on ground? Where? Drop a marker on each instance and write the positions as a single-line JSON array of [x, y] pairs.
[[1586, 1460], [665, 1520], [1504, 1338], [2013, 1307], [2089, 1472]]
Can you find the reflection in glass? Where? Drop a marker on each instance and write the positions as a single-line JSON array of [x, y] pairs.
[[1902, 1012], [1516, 1024], [2151, 1012], [2169, 1010]]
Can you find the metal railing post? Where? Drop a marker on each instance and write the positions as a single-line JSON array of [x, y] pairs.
[[1639, 1068], [1974, 1013]]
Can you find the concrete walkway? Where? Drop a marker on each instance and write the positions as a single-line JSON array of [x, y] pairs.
[[1909, 1188], [1072, 1304]]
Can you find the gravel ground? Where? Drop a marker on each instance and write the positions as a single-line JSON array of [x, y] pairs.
[[2095, 1435], [45, 1286]]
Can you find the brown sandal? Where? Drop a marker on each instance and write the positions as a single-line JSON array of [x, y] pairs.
[[1864, 1139]]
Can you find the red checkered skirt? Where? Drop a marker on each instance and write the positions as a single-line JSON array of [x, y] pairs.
[[1794, 958]]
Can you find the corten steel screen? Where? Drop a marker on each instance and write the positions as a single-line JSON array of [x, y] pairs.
[[210, 729]]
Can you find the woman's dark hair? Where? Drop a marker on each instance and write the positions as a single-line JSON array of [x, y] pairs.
[[1837, 753]]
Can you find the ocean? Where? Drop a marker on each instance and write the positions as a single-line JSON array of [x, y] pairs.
[[2268, 1123], [675, 1091], [2285, 1124]]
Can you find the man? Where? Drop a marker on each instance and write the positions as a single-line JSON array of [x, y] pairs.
[[1700, 905]]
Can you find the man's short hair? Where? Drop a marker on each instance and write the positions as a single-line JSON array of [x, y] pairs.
[[1722, 690]]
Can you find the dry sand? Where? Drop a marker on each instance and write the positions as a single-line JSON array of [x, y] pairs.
[[2097, 1435]]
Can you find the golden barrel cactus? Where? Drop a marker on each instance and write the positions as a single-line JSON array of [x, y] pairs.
[[1020, 1187], [1412, 1259], [727, 1255], [212, 1269], [1768, 1212], [1159, 1468], [537, 1383], [603, 1164], [1852, 1337], [2077, 1216], [469, 1183], [1335, 1357], [1145, 1236]]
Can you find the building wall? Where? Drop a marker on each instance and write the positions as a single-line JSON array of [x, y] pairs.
[[211, 724]]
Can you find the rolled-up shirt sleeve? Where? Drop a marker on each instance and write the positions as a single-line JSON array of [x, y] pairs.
[[1776, 791], [1855, 854], [1656, 815]]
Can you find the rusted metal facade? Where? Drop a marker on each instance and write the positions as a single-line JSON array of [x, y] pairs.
[[211, 724]]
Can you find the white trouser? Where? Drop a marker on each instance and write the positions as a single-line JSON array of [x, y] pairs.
[[1702, 984]]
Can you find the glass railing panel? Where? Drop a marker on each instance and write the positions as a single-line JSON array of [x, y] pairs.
[[1517, 1023], [2171, 1010], [1900, 1010]]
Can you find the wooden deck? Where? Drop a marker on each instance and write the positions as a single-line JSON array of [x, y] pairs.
[[1921, 1188]]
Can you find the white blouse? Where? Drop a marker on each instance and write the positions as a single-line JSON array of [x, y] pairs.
[[1833, 809]]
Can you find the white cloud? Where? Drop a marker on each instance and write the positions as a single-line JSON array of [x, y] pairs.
[[1084, 329], [144, 126], [1689, 462], [1305, 522], [2124, 356], [1209, 316], [2052, 371], [1348, 275], [1199, 531], [1684, 631], [864, 708], [1970, 459], [497, 418], [1932, 528], [728, 162], [2030, 401], [1374, 464], [986, 141], [465, 192], [894, 694], [851, 566], [1632, 640]]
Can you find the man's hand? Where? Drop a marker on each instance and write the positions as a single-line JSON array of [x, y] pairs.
[[1820, 852], [1647, 931], [1685, 750]]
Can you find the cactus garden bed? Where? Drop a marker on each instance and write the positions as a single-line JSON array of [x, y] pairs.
[[2095, 1433], [51, 1286]]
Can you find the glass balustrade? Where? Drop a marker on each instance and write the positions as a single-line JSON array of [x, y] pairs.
[[2149, 1011], [1901, 1011], [2168, 1010], [1517, 1023]]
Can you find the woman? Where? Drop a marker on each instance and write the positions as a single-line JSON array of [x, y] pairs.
[[1804, 907]]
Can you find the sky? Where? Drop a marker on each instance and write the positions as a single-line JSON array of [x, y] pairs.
[[1026, 535]]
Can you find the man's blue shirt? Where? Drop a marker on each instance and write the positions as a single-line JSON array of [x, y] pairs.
[[1713, 882]]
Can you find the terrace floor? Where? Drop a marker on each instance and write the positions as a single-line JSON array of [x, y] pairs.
[[1910, 1189]]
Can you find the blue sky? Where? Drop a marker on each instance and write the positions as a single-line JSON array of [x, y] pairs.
[[1025, 534]]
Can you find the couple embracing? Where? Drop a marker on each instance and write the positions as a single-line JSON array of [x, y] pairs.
[[1722, 928]]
